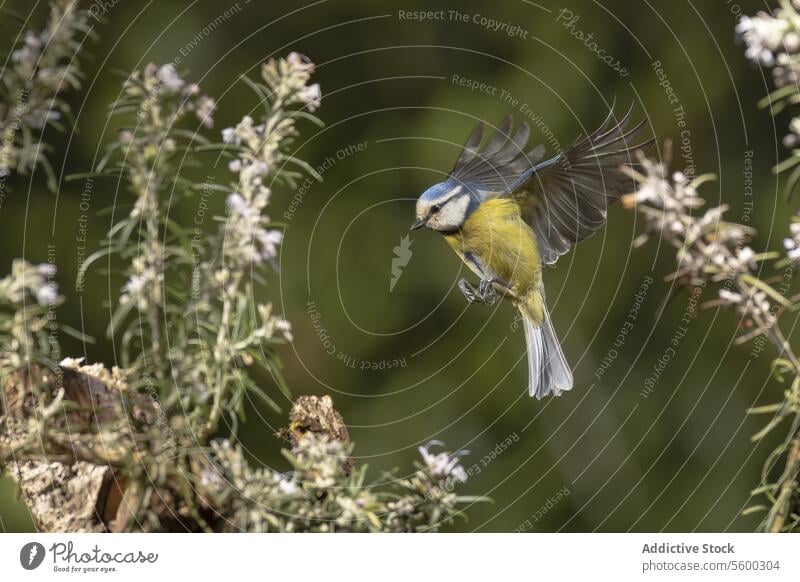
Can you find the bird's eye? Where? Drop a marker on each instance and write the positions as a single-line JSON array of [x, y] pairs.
[[435, 208]]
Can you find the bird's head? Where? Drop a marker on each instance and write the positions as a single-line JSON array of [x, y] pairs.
[[444, 206]]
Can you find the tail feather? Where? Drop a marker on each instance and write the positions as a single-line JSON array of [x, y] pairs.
[[535, 344], [548, 370]]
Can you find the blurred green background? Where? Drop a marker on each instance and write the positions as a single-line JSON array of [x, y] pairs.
[[677, 458]]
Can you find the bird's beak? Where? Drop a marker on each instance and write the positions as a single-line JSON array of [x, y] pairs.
[[418, 223]]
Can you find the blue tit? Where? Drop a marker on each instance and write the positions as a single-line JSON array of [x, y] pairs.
[[506, 213]]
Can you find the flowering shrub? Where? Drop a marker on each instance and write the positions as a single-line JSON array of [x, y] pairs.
[[39, 69], [320, 494], [27, 295], [187, 324], [711, 251], [773, 40]]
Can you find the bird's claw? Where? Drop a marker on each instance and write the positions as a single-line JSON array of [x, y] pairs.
[[469, 291], [487, 291]]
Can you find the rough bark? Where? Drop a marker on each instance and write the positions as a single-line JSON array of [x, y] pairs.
[[65, 460], [62, 497], [70, 461]]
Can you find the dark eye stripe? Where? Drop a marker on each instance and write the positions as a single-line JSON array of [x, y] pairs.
[[446, 200]]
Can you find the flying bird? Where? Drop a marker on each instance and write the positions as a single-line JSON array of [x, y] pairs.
[[506, 213]]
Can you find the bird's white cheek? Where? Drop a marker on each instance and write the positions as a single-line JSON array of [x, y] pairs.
[[454, 213]]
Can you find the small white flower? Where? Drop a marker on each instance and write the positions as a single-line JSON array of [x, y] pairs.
[[284, 327], [287, 486], [235, 165], [792, 244], [73, 363], [764, 36], [46, 269], [205, 110], [443, 465], [135, 284], [258, 168], [645, 192], [23, 55], [791, 42], [311, 96], [238, 205], [730, 296], [299, 62], [270, 240], [792, 248], [168, 76], [47, 294], [32, 40], [459, 474], [228, 134], [758, 304], [747, 257]]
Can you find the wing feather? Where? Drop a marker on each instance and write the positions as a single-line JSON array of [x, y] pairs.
[[565, 199], [501, 162]]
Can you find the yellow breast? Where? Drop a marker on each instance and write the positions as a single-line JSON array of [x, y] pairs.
[[498, 237]]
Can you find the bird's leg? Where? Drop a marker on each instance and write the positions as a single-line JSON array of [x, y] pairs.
[[469, 291], [487, 290]]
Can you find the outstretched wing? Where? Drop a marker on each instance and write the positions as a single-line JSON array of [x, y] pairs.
[[565, 199], [501, 163]]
